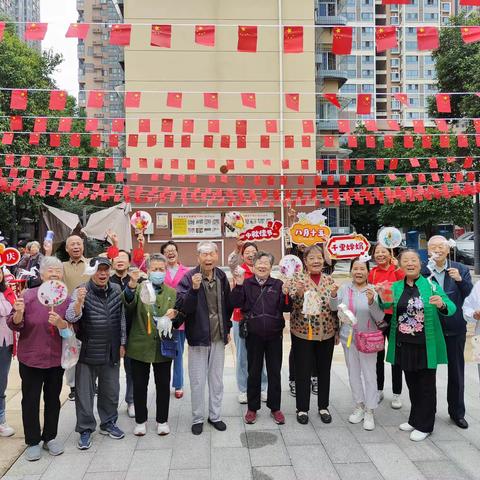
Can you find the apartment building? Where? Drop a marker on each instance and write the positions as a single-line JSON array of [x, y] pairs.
[[100, 65], [22, 11]]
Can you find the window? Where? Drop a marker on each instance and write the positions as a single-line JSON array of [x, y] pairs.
[[411, 46], [413, 115], [367, 31], [395, 105], [446, 7], [412, 16], [367, 59], [412, 87], [395, 62], [367, 88], [430, 16], [349, 88], [413, 102], [411, 31], [411, 59], [395, 89], [412, 74], [367, 73], [367, 44], [395, 76], [327, 9], [394, 20], [393, 8], [367, 16]]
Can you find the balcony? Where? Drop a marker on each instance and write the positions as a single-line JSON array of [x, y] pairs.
[[329, 19], [327, 125]]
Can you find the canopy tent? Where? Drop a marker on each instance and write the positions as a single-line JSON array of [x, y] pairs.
[[61, 222]]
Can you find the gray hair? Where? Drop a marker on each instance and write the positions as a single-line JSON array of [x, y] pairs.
[[206, 244], [438, 238], [50, 262], [260, 255], [28, 245], [35, 244], [156, 257]]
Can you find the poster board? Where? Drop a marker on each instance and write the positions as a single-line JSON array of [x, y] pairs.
[[196, 225], [252, 219]]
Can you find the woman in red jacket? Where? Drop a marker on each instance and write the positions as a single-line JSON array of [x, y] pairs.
[[7, 299], [386, 270]]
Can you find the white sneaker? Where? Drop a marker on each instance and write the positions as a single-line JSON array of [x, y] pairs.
[[163, 428], [380, 396], [406, 427], [140, 429], [242, 398], [357, 415], [264, 396], [368, 420], [6, 430], [131, 410], [396, 402], [418, 436]]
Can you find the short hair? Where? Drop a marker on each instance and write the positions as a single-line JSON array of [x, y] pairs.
[[34, 243], [155, 257], [312, 248], [70, 237], [167, 244], [50, 262], [358, 259], [409, 250], [260, 255], [374, 249], [206, 244], [128, 254], [248, 244], [440, 238], [29, 244]]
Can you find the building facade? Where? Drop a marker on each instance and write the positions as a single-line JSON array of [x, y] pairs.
[[100, 65], [22, 11]]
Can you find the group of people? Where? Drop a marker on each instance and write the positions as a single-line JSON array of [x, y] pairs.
[[117, 315]]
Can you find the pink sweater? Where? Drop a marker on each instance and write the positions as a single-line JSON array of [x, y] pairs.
[[173, 282]]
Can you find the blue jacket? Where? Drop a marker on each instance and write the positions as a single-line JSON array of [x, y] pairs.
[[193, 305], [262, 306], [457, 292]]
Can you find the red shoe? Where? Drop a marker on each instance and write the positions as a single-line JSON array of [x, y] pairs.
[[278, 417], [250, 417], [178, 393]]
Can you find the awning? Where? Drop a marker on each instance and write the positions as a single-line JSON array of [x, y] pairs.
[[62, 223]]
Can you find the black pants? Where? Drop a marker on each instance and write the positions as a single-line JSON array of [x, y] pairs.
[[422, 389], [456, 375], [258, 349], [33, 381], [307, 353], [291, 365], [396, 371], [140, 375]]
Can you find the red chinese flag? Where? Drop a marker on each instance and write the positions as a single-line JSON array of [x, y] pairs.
[[393, 125], [371, 125], [91, 124], [306, 141], [58, 100], [462, 141], [249, 100], [151, 140], [7, 138], [65, 124], [174, 99], [289, 141], [470, 34], [113, 140], [144, 125], [168, 141], [332, 98], [418, 126], [292, 101], [132, 99], [188, 126], [35, 31], [95, 99], [205, 35], [214, 126], [208, 141], [386, 38], [342, 40], [40, 125], [95, 140], [2, 30], [247, 39], [402, 98], [54, 139], [241, 141], [225, 141], [16, 123], [120, 34], [264, 141], [344, 126], [271, 126], [78, 30], [132, 140], [352, 141], [370, 141], [329, 141], [443, 103], [161, 36], [18, 100], [427, 38], [185, 141], [167, 125], [442, 125], [241, 127], [364, 103], [210, 100], [444, 141], [408, 141], [293, 39], [75, 140], [427, 142], [118, 125], [308, 126]]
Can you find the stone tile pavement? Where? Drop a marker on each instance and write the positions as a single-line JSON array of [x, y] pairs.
[[267, 451]]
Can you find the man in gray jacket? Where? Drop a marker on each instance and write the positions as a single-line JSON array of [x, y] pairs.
[[98, 311]]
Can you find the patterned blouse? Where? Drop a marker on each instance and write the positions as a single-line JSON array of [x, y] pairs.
[[324, 325]]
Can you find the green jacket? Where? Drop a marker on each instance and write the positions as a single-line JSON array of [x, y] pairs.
[[435, 342], [140, 345]]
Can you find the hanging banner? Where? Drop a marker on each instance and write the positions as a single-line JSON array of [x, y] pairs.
[[259, 233], [310, 228], [343, 247]]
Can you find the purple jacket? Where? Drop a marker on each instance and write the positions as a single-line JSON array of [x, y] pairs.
[[39, 344], [262, 305]]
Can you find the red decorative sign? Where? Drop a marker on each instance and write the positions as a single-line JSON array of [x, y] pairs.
[[259, 233], [344, 247], [9, 256]]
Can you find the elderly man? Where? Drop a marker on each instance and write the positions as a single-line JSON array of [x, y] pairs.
[[456, 281], [97, 307], [203, 296]]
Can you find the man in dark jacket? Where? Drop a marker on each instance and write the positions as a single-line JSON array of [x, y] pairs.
[[98, 310], [456, 281], [262, 302], [203, 297]]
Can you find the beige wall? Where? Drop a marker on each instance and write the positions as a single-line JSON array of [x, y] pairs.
[[191, 67]]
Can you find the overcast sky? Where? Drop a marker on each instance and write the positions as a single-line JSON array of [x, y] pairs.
[[59, 14]]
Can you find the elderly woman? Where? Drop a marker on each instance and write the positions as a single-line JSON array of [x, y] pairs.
[[39, 355], [386, 269], [175, 272], [34, 263], [144, 346], [416, 341], [7, 299], [359, 297], [313, 333], [262, 303]]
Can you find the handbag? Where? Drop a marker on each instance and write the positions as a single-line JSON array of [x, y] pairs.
[[168, 347], [70, 351]]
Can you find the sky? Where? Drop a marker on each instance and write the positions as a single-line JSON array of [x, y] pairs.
[[59, 14]]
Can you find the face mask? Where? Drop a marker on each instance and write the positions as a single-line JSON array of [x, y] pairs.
[[157, 278]]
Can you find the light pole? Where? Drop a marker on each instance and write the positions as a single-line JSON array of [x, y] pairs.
[[476, 230]]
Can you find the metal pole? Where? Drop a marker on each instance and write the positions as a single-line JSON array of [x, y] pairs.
[[476, 231], [14, 233], [280, 104]]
